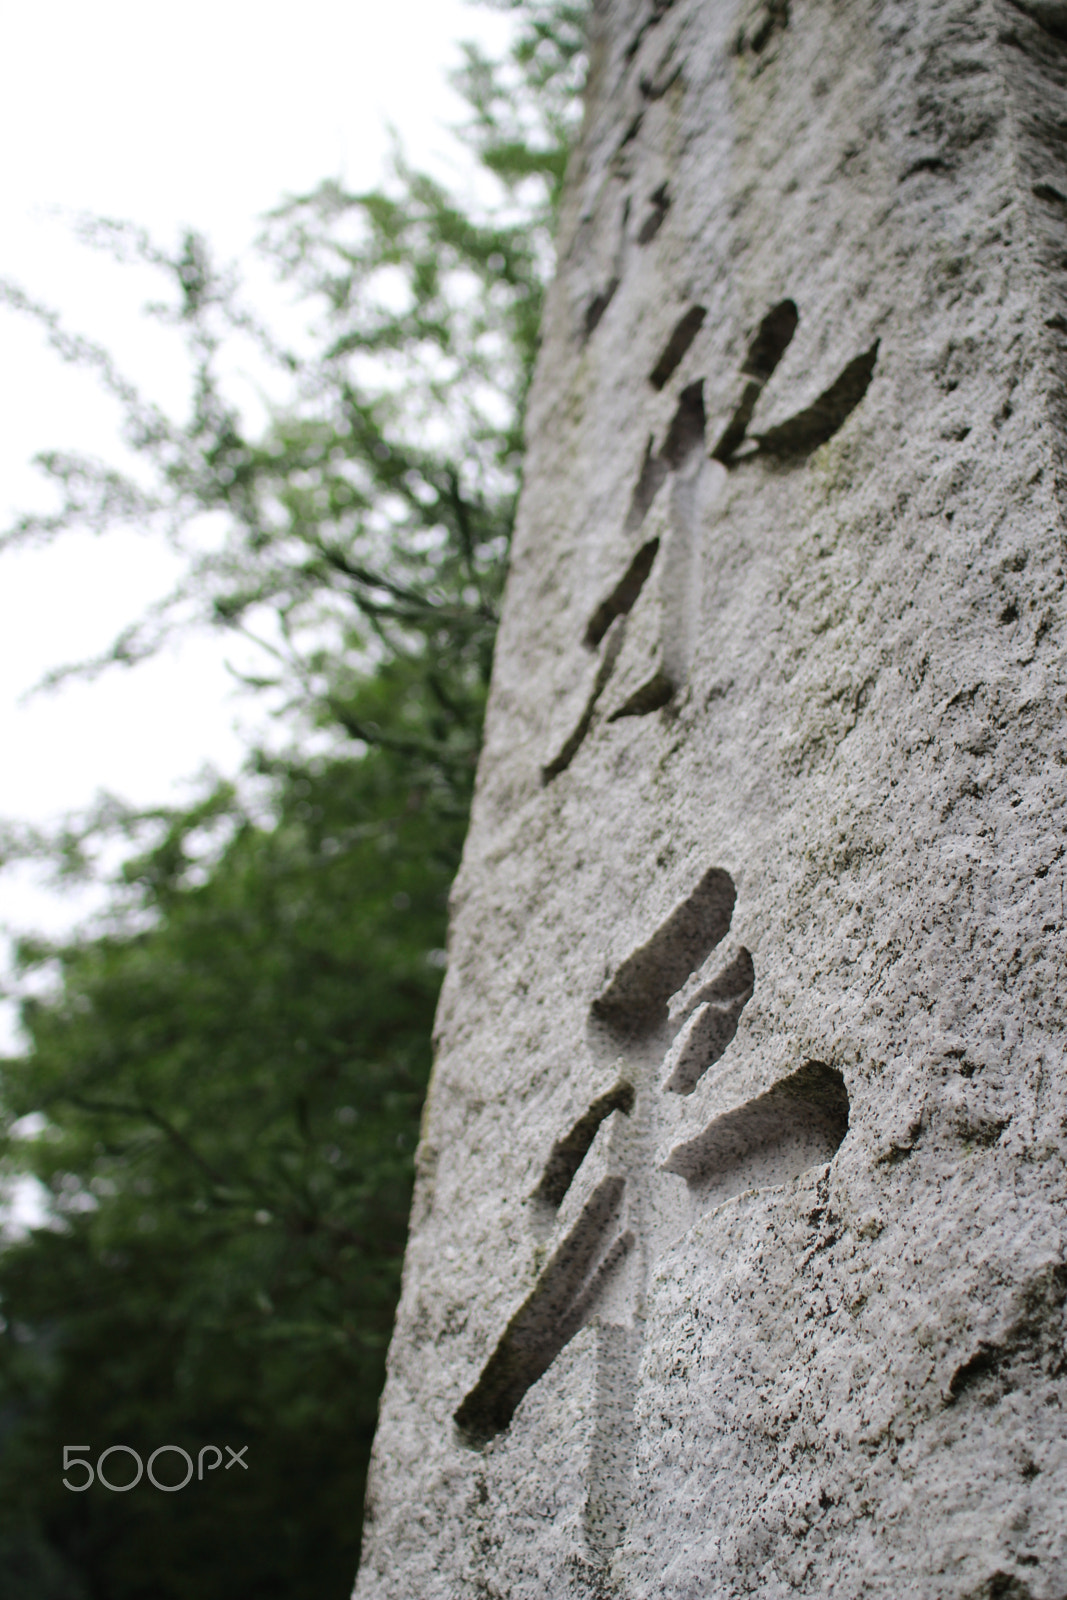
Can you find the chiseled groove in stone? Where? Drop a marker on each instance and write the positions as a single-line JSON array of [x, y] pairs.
[[677, 345], [809, 1109], [653, 475], [651, 696], [659, 204], [569, 1152], [685, 435], [686, 432], [658, 12], [771, 340], [550, 1316], [635, 1001], [572, 744], [711, 1026], [810, 428], [598, 305], [622, 599]]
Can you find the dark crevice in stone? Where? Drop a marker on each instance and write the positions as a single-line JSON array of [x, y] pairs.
[[598, 305], [987, 1360], [686, 432], [651, 696], [623, 597], [802, 434], [1034, 1339], [655, 91], [1051, 15], [660, 203], [569, 1152], [658, 12], [685, 437], [712, 1019], [631, 133], [809, 1109], [572, 744], [768, 346], [635, 1002], [765, 19], [677, 345], [733, 435], [652, 477], [771, 341], [550, 1316], [930, 163], [1002, 1586]]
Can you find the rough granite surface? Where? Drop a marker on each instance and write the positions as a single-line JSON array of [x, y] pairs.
[[738, 1262]]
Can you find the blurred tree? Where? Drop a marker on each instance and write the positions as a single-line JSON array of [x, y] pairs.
[[232, 1093], [225, 1071]]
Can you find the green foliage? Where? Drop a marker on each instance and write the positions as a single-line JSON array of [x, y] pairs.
[[225, 1072], [232, 1096], [369, 519], [524, 110]]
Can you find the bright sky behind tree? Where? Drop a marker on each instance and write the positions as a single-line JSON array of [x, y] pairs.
[[207, 115]]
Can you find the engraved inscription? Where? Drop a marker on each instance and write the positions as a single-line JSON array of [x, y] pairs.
[[608, 1208], [646, 625]]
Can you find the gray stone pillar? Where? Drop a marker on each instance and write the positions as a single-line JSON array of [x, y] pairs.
[[737, 1263]]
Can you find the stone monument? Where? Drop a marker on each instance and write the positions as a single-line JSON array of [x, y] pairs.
[[738, 1260]]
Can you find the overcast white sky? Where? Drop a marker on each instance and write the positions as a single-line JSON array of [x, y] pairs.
[[204, 114]]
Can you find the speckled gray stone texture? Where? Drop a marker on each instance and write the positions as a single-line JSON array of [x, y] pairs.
[[771, 812]]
